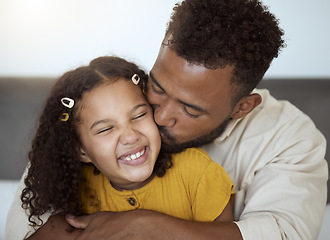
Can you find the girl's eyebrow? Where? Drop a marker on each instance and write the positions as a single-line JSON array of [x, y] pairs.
[[99, 122], [107, 120], [138, 106]]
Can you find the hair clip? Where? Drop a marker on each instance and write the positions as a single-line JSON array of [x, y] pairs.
[[67, 102], [64, 117], [135, 79]]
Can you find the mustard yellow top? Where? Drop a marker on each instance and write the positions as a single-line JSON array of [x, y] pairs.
[[194, 188]]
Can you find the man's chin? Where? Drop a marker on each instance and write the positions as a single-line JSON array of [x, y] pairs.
[[172, 148], [169, 144]]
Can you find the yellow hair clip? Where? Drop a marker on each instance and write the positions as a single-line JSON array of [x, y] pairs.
[[64, 117]]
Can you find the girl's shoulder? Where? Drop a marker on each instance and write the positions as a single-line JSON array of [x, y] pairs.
[[197, 170], [193, 161], [196, 163], [191, 156]]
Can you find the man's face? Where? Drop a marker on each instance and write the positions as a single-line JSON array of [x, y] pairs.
[[192, 104]]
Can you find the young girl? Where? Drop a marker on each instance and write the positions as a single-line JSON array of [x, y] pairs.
[[97, 148]]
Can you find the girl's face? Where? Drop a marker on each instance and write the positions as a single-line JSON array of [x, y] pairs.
[[118, 133]]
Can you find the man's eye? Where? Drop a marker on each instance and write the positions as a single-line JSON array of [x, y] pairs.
[[191, 113], [156, 89], [139, 115]]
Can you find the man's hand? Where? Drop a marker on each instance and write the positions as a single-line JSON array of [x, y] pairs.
[[56, 228], [111, 226]]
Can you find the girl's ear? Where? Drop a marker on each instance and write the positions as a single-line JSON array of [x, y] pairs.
[[84, 157], [246, 105]]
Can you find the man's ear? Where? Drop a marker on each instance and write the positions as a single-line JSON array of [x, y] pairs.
[[84, 157], [246, 105]]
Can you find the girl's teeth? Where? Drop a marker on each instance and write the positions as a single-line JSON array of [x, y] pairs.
[[134, 156]]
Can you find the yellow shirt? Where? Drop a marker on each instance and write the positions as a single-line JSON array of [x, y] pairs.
[[194, 188]]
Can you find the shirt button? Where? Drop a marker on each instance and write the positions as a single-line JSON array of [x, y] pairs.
[[131, 201]]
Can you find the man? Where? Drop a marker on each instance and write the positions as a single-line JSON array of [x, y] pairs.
[[201, 87]]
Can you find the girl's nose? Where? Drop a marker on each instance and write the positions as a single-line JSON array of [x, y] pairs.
[[129, 136]]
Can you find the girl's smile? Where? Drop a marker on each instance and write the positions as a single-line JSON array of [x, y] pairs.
[[134, 157]]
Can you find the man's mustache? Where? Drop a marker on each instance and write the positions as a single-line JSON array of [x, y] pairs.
[[163, 130]]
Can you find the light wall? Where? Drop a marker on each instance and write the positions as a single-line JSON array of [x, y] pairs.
[[48, 37]]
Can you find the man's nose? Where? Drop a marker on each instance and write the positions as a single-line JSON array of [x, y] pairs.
[[165, 114], [129, 136]]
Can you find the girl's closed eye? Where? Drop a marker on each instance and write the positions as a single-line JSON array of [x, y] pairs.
[[140, 115], [107, 129], [103, 130]]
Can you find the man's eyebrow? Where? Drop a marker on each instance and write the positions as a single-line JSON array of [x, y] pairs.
[[153, 79]]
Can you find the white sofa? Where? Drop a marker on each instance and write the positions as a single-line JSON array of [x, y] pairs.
[[7, 190]]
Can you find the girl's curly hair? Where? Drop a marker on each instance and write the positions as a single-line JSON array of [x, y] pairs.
[[217, 33], [54, 176]]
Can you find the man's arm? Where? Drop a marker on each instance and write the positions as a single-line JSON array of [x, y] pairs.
[[145, 224], [287, 196]]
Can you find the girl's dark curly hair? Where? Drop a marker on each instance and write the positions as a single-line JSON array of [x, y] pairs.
[[54, 176], [218, 33]]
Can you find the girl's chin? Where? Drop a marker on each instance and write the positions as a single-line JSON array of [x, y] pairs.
[[142, 176], [140, 181]]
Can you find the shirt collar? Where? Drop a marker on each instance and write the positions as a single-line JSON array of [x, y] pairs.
[[230, 127]]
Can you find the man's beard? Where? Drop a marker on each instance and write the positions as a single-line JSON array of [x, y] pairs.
[[174, 147]]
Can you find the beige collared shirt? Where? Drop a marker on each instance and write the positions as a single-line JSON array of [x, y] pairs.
[[275, 157]]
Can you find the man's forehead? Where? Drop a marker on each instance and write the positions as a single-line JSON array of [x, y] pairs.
[[168, 57]]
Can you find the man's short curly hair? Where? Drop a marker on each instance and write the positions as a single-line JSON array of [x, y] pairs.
[[217, 33]]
